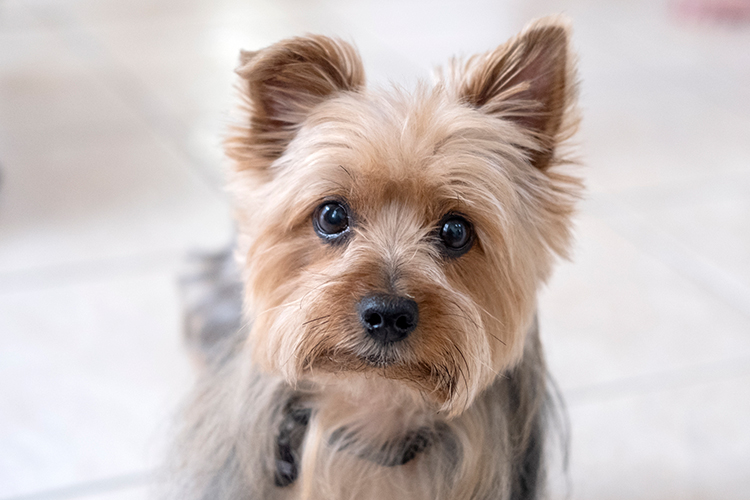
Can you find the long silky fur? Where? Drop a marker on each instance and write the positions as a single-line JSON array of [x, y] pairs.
[[488, 140], [495, 450]]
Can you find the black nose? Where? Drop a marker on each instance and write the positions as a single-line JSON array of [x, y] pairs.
[[388, 318]]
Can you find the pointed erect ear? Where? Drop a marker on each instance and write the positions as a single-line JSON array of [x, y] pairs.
[[529, 80], [285, 81]]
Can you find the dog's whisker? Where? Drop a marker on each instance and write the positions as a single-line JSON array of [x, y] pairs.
[[315, 319], [277, 307]]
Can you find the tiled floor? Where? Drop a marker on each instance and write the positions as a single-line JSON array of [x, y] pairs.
[[111, 115]]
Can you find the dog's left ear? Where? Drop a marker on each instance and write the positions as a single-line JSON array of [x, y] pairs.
[[530, 81], [285, 81]]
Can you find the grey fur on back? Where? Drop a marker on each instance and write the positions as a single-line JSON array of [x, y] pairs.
[[211, 293]]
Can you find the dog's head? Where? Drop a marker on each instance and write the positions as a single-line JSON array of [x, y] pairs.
[[399, 235]]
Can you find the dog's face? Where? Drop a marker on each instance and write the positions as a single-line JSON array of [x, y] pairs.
[[401, 236]]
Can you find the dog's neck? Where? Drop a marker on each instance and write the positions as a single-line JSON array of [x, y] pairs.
[[398, 451], [383, 427]]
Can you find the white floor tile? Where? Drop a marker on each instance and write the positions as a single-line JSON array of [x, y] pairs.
[[141, 493], [710, 218], [16, 17], [89, 376], [188, 63], [648, 130], [45, 85], [691, 443], [617, 312], [426, 32], [74, 195]]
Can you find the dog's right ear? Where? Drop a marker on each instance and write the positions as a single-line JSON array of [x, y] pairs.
[[529, 81], [285, 81]]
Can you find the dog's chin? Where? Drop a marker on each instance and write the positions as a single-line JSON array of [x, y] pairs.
[[382, 356], [394, 362], [363, 358]]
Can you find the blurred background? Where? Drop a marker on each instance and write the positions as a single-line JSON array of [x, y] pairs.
[[111, 118]]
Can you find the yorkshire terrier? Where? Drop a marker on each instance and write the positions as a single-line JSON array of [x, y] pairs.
[[390, 248]]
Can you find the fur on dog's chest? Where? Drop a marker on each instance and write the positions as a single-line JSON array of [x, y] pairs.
[[350, 468], [370, 442], [319, 457]]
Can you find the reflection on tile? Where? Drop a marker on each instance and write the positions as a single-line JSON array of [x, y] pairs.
[[89, 374], [97, 13], [44, 84], [187, 64]]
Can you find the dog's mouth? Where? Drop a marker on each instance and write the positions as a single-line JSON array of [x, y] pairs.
[[439, 381], [351, 349], [358, 359]]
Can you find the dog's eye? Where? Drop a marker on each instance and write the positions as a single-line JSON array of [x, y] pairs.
[[331, 220], [456, 233]]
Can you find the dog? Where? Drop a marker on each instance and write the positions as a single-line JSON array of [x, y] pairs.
[[390, 248]]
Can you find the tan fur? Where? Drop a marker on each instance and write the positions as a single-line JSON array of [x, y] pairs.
[[486, 142]]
